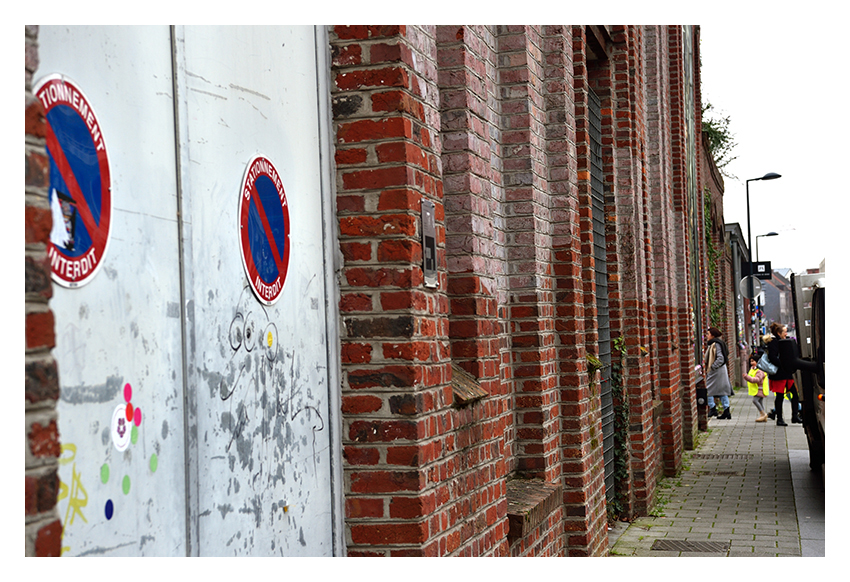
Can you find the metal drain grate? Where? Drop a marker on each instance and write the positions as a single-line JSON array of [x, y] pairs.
[[728, 456], [721, 473], [686, 546]]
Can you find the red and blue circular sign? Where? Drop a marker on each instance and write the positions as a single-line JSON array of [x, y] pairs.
[[264, 229], [80, 190]]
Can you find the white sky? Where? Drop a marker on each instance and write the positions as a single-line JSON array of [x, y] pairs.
[[783, 84]]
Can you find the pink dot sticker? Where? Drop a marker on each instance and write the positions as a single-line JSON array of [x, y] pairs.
[[137, 416], [128, 392]]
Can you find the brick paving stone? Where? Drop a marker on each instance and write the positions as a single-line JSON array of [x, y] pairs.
[[747, 501]]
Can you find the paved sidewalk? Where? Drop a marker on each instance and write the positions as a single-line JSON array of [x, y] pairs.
[[747, 490]]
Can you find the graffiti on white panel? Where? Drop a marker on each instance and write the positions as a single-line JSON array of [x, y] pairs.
[[113, 493], [74, 492], [262, 390]]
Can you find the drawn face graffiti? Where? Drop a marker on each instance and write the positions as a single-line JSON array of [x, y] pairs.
[[261, 386], [253, 339], [247, 384]]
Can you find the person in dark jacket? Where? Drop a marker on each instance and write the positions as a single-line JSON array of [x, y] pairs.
[[784, 377]]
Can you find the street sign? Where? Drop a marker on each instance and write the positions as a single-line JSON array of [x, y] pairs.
[[264, 229], [744, 287], [761, 269], [80, 191]]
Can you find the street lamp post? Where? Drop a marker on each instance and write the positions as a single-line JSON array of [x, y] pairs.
[[757, 242], [768, 176]]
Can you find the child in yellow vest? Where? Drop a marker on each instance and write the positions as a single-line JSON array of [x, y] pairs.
[[757, 383]]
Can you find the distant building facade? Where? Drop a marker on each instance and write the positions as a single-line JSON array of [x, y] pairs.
[[778, 303]]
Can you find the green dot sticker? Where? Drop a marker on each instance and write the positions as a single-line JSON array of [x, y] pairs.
[[125, 485], [104, 473], [134, 434], [154, 463]]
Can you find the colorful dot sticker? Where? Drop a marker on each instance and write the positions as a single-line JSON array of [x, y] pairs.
[[126, 429], [120, 428]]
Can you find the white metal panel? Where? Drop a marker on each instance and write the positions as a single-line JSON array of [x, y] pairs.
[[237, 448], [123, 328], [260, 417]]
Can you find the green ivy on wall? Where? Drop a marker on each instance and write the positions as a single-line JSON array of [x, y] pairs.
[[621, 428], [716, 307]]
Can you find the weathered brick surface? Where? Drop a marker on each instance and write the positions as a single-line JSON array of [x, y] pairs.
[[687, 203], [43, 531], [490, 123]]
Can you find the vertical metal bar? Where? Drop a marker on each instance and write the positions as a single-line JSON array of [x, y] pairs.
[[186, 315], [332, 263], [753, 334]]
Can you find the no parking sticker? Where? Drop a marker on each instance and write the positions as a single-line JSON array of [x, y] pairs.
[[264, 229], [79, 195]]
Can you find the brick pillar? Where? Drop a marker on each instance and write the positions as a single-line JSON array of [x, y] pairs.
[[576, 324], [395, 365], [630, 308], [475, 258], [685, 238], [664, 249], [424, 473], [529, 244], [43, 530]]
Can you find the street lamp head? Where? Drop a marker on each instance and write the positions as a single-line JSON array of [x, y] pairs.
[[771, 234], [768, 176]]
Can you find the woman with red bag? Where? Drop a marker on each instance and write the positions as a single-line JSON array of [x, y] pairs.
[[784, 377]]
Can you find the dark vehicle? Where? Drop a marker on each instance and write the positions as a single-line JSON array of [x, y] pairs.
[[808, 294]]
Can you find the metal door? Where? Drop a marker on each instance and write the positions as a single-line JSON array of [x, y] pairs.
[[261, 426], [196, 420]]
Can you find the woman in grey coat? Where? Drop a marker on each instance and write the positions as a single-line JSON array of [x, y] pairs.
[[717, 377]]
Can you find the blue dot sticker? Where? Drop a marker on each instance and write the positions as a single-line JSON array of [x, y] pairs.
[[109, 510]]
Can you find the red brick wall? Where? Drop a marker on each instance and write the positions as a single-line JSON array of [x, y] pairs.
[[476, 254], [687, 311], [665, 234], [43, 530], [632, 310], [713, 189], [412, 479], [496, 296], [577, 315], [489, 123]]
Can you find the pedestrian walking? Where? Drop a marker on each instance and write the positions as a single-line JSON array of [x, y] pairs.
[[717, 376], [796, 411], [757, 384], [783, 379], [792, 395]]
